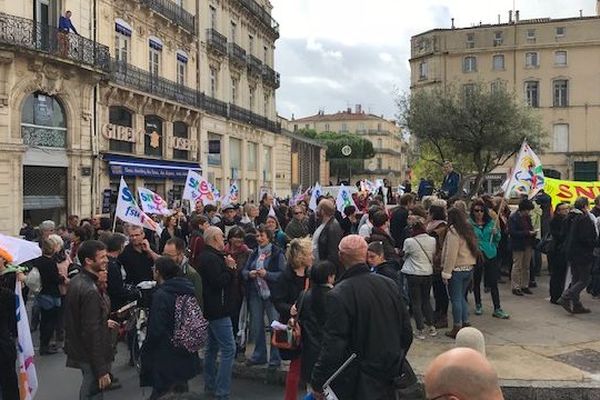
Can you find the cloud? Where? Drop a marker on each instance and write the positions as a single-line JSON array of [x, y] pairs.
[[336, 53]]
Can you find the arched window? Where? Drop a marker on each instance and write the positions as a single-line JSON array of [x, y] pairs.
[[43, 122], [153, 138], [120, 116], [180, 131]]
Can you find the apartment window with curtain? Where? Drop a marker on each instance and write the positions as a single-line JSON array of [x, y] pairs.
[[560, 141], [470, 42], [155, 55], [235, 157], [266, 164], [561, 93], [121, 47], [423, 70], [214, 149], [532, 93], [560, 58], [532, 59], [470, 64], [498, 38], [560, 31], [530, 35], [252, 150], [498, 62], [182, 61]]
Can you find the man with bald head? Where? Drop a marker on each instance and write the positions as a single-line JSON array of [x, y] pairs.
[[328, 235], [462, 374], [366, 316]]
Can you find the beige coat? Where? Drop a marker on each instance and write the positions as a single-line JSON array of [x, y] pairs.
[[456, 253]]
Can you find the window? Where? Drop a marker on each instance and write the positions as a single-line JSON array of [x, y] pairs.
[[530, 35], [252, 147], [234, 90], [586, 171], [344, 127], [498, 39], [233, 32], [251, 97], [43, 122], [561, 138], [532, 90], [122, 117], [214, 149], [213, 82], [213, 17], [181, 71], [560, 31], [470, 64], [379, 143], [560, 58], [498, 61], [468, 89], [379, 163], [470, 40], [154, 62], [250, 44], [153, 136], [497, 86], [266, 102], [532, 60], [266, 164], [121, 47], [235, 156], [423, 70], [327, 128], [180, 130], [561, 93], [265, 54]]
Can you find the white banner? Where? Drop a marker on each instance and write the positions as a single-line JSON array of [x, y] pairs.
[[314, 196], [152, 203], [128, 210], [344, 199], [233, 195], [198, 188], [28, 383]]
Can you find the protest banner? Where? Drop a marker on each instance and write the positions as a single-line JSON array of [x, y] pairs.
[[314, 196], [129, 211], [152, 203], [233, 194], [344, 199], [528, 176], [198, 188], [567, 191], [28, 383]]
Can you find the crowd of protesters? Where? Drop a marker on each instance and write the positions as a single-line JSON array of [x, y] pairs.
[[348, 277]]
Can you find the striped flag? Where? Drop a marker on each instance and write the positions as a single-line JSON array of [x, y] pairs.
[[28, 382], [527, 177]]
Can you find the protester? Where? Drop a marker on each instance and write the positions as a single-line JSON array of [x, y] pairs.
[[266, 202], [349, 223], [197, 226], [230, 218], [138, 257], [279, 237], [580, 242], [165, 367], [557, 261], [298, 226], [437, 228], [175, 249], [522, 237], [488, 237], [379, 233], [418, 270], [261, 272], [212, 214], [217, 273], [377, 262], [116, 290], [465, 373], [328, 234], [312, 315], [347, 331], [171, 230], [287, 299], [88, 343], [459, 256], [63, 261], [399, 219], [451, 182]]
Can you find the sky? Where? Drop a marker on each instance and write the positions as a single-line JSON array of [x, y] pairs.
[[333, 54]]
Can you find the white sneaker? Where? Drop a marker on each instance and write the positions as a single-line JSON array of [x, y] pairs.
[[432, 331], [419, 334]]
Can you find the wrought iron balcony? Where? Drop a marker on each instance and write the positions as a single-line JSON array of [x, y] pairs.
[[237, 55], [248, 117], [27, 34], [270, 77], [173, 12], [254, 65], [139, 79], [216, 41], [262, 15], [214, 106]]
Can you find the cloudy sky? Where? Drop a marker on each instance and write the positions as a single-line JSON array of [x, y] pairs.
[[333, 54]]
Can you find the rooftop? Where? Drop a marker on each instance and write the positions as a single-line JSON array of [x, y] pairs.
[[346, 115]]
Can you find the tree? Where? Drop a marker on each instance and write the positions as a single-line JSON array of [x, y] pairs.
[[340, 165], [477, 128]]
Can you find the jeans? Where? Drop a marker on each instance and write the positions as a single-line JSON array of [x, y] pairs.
[[519, 275], [220, 338], [490, 272], [458, 286], [440, 294], [582, 274], [258, 307], [89, 385], [48, 325], [419, 288]]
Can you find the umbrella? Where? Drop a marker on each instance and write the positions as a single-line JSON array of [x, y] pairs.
[[21, 250]]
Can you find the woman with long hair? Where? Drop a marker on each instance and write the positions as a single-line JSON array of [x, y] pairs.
[[279, 236], [437, 228], [459, 256], [287, 299], [172, 230], [488, 236]]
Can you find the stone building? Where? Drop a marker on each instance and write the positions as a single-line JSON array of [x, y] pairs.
[[147, 89], [551, 64]]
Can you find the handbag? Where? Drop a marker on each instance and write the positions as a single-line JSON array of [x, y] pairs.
[[291, 337], [546, 245]]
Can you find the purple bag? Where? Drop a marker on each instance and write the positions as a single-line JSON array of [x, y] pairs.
[[190, 328]]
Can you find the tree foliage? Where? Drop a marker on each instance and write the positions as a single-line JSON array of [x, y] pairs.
[[477, 128], [340, 165]]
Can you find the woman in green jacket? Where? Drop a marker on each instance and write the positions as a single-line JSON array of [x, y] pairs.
[[488, 237]]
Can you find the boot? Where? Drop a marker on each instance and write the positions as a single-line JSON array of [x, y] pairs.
[[578, 308], [441, 322], [453, 332]]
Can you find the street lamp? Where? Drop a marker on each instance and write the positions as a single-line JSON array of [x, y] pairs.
[[346, 151]]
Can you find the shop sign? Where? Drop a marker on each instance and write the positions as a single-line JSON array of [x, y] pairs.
[[182, 144], [119, 132]]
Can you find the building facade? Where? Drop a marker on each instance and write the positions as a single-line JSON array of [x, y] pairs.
[[147, 89], [551, 64], [390, 161]]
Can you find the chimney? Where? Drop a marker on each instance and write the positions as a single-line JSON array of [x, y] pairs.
[[453, 27], [358, 109], [349, 110], [499, 19], [293, 118], [517, 16], [580, 13], [510, 16]]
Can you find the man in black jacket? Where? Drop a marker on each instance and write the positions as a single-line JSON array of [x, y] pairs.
[[328, 235], [218, 274], [119, 295], [399, 219], [88, 341], [366, 316], [579, 247]]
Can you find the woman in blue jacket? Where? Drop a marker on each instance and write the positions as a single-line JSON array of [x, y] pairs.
[[488, 236]]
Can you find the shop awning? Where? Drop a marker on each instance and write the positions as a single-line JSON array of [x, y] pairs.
[[120, 165]]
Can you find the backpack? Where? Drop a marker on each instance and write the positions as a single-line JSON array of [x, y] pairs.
[[190, 328]]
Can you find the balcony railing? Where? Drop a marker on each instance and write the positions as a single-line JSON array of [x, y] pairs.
[[262, 15], [173, 12], [127, 75], [237, 55], [27, 34], [216, 41], [270, 76], [254, 65]]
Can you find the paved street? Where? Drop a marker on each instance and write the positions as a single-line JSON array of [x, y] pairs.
[[59, 383]]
